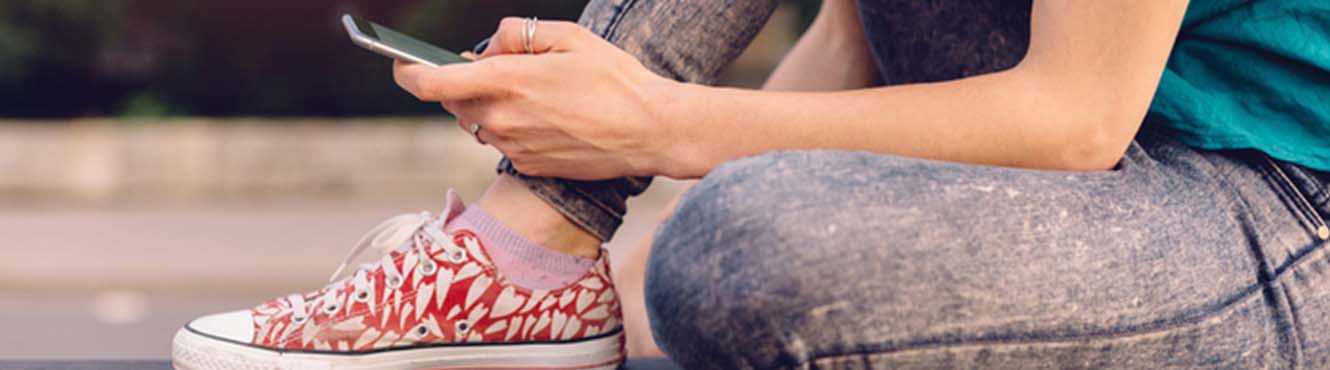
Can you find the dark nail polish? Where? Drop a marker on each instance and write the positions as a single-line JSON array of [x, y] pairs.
[[481, 46]]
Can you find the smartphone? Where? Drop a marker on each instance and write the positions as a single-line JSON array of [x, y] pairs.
[[396, 45]]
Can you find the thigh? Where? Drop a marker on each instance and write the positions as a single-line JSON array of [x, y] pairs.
[[807, 259]]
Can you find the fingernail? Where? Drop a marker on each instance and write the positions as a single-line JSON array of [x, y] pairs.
[[481, 46]]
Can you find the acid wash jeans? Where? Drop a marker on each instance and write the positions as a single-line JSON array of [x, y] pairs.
[[1176, 259]]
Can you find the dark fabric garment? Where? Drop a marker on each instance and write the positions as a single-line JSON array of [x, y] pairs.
[[937, 40]]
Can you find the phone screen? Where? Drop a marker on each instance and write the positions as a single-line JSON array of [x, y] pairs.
[[398, 43]]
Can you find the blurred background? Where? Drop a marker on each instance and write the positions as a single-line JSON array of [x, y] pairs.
[[164, 159]]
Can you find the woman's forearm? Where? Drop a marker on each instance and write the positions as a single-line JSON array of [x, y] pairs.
[[586, 110], [1004, 118], [1074, 103]]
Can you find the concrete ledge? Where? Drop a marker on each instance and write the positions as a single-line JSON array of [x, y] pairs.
[[99, 162]]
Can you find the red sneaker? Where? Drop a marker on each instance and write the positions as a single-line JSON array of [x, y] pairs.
[[434, 301]]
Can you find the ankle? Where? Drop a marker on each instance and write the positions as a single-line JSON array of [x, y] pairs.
[[511, 203]]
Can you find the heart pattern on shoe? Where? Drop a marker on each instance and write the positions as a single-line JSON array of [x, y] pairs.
[[450, 295]]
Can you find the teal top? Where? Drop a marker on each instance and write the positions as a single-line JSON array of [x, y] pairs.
[[1251, 74]]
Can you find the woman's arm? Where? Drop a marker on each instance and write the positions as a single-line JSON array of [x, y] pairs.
[[582, 109], [1074, 102], [835, 35]]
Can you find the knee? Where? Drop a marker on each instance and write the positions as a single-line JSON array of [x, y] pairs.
[[714, 289], [734, 193], [721, 216]]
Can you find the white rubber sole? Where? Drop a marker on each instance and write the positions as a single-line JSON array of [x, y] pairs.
[[194, 351]]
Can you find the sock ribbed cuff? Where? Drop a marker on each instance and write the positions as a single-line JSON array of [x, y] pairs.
[[521, 260]]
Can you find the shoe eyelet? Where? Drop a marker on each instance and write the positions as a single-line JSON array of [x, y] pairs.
[[462, 326], [422, 330], [331, 308], [361, 296], [394, 282], [298, 319], [428, 267], [457, 256]]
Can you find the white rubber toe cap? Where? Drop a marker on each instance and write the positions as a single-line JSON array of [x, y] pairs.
[[235, 325]]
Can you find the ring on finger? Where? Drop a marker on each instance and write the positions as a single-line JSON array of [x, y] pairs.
[[475, 132], [529, 34]]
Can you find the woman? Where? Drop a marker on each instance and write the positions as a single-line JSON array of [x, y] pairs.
[[1115, 199]]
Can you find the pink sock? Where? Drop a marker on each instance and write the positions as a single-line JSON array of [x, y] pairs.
[[521, 260]]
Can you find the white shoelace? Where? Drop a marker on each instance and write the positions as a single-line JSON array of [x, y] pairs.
[[389, 236]]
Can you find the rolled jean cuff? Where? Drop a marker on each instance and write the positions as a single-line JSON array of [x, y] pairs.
[[684, 40], [595, 206]]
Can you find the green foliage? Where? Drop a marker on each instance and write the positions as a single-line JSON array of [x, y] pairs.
[[147, 105], [44, 30], [46, 49], [17, 45]]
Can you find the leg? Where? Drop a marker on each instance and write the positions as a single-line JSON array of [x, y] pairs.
[[685, 40], [992, 38], [485, 276], [851, 260]]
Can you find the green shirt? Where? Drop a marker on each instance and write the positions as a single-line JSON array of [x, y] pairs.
[[1251, 74]]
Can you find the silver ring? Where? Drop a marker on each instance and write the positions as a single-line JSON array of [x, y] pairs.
[[529, 34], [475, 133]]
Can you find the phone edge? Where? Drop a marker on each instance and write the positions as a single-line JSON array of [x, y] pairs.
[[364, 41]]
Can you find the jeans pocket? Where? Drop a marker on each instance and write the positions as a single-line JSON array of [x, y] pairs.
[[1296, 199]]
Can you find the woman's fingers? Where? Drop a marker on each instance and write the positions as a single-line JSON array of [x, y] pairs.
[[468, 112], [456, 108], [483, 112], [549, 36], [488, 138], [489, 76], [458, 81], [412, 77]]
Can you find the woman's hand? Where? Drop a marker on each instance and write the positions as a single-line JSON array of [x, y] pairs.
[[577, 107]]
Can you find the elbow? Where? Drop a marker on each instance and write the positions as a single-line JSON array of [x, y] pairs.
[[1087, 158], [1088, 121], [1088, 129], [1096, 147]]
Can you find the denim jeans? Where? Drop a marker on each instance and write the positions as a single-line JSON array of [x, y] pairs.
[[1177, 259]]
